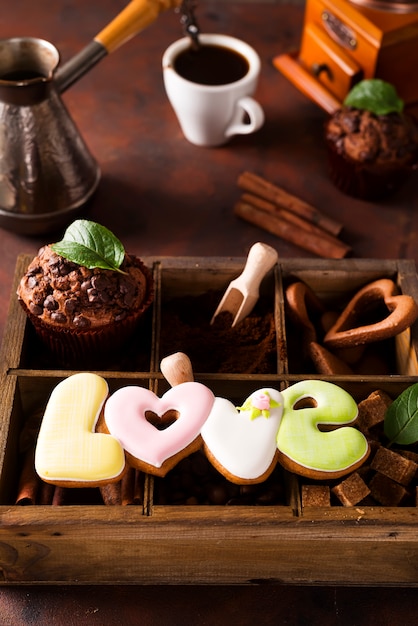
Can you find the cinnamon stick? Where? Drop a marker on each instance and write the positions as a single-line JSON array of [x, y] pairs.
[[127, 487], [298, 221], [111, 494], [279, 226], [273, 193], [58, 498], [46, 494], [28, 481], [138, 488]]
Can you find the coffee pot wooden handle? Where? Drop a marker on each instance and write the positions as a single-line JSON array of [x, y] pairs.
[[135, 17]]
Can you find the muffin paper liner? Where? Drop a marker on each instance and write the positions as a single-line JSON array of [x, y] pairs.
[[365, 181]]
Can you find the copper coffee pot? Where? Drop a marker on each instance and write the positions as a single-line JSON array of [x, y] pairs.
[[47, 173]]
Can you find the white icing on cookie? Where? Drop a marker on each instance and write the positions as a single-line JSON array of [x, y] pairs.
[[243, 441]]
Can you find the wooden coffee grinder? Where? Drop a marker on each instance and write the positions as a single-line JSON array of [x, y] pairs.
[[346, 41]]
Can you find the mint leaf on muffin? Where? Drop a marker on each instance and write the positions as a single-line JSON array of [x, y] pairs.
[[401, 418], [91, 245], [374, 95]]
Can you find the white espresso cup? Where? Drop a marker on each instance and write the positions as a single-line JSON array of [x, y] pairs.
[[210, 88]]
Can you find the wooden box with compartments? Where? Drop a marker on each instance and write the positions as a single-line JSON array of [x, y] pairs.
[[194, 526]]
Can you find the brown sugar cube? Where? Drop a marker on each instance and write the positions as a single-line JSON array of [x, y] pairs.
[[371, 411], [386, 491], [409, 454], [394, 466], [351, 490], [374, 446], [315, 495], [365, 473]]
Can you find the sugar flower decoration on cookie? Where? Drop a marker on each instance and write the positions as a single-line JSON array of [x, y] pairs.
[[241, 442], [260, 403]]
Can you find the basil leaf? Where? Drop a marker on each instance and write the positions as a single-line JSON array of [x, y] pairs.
[[374, 95], [91, 245], [401, 418]]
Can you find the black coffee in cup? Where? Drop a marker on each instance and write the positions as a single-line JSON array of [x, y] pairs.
[[211, 65]]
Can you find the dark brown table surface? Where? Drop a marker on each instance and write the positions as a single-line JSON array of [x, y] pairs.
[[163, 196]]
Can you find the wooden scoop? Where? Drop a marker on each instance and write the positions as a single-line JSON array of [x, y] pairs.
[[243, 292]]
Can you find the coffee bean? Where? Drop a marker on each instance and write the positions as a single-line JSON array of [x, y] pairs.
[[242, 501], [195, 481], [270, 496], [248, 490], [217, 494], [192, 501]]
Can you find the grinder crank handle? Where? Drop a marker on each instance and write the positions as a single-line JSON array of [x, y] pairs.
[[134, 18]]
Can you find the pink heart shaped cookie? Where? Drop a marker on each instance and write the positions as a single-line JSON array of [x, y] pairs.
[[241, 443], [134, 416]]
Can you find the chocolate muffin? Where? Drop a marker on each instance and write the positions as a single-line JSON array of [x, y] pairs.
[[83, 314], [370, 154]]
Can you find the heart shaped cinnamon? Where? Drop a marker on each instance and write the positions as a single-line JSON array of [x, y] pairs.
[[402, 312], [327, 363], [308, 313], [303, 305]]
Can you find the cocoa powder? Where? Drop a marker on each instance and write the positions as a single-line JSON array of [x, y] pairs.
[[247, 348]]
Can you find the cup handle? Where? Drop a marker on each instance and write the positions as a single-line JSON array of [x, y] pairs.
[[255, 114]]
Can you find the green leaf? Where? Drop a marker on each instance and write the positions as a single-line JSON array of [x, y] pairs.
[[401, 418], [374, 95], [91, 245]]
